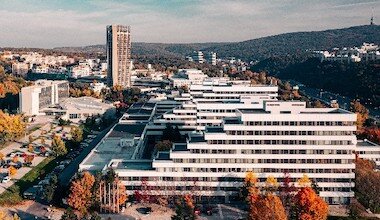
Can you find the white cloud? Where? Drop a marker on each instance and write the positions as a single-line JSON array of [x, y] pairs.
[[200, 21]]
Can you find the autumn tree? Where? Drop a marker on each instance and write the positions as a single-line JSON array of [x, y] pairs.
[[81, 192], [11, 126], [1, 156], [15, 159], [76, 134], [58, 146], [164, 145], [184, 208], [361, 112], [30, 148], [367, 184], [12, 171], [310, 205], [28, 159], [112, 187], [266, 207]]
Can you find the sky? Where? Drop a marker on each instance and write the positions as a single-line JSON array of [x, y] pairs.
[[56, 23]]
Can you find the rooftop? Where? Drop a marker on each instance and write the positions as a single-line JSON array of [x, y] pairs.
[[127, 130], [135, 165]]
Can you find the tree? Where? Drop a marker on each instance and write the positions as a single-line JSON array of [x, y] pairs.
[[184, 208], [4, 216], [112, 187], [1, 156], [81, 192], [367, 184], [164, 145], [304, 181], [58, 146], [69, 215], [318, 104], [49, 190], [361, 112], [28, 159], [76, 134], [15, 159], [168, 132], [31, 139], [267, 207], [42, 140], [310, 205], [12, 171], [30, 148]]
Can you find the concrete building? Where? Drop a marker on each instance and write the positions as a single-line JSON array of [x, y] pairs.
[[210, 57], [43, 94], [118, 56], [78, 109], [187, 77], [20, 69]]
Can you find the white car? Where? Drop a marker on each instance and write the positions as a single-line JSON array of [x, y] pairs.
[[6, 179]]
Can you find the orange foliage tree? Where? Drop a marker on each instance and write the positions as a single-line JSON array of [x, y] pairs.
[[310, 205], [81, 192], [267, 207], [12, 171]]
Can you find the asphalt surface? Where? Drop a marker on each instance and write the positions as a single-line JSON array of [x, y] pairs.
[[66, 175]]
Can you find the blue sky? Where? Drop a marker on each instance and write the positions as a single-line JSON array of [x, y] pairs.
[[53, 23]]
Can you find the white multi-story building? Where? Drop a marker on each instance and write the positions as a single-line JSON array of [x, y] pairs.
[[233, 129], [20, 69], [81, 70], [367, 52], [210, 57], [44, 93], [281, 137]]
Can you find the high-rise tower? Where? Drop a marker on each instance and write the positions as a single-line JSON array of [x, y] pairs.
[[119, 55]]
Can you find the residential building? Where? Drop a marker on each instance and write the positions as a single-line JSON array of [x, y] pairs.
[[210, 57], [20, 68], [43, 94], [118, 56]]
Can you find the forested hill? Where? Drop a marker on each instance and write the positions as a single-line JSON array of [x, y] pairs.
[[260, 48], [355, 80]]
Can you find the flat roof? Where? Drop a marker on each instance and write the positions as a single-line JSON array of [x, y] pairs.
[[135, 165], [126, 130]]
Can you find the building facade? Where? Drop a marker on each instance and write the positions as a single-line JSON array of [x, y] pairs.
[[118, 55], [44, 93]]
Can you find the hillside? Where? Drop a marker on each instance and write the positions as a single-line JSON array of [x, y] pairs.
[[355, 80], [260, 48]]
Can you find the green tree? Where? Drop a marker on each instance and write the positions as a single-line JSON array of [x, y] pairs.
[[69, 215], [49, 190], [58, 146]]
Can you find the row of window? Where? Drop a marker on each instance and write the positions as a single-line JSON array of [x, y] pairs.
[[194, 180], [282, 142], [319, 133], [255, 170], [299, 123], [257, 161]]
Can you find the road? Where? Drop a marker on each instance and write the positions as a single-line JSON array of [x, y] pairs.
[[66, 175]]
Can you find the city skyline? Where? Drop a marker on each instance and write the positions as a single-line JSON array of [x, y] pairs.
[[182, 22]]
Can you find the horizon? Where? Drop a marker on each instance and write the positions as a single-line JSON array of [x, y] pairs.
[[47, 25], [100, 44]]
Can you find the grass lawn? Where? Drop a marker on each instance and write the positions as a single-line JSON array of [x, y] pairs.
[[13, 194]]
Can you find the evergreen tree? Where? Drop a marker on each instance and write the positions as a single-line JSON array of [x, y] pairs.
[[69, 215]]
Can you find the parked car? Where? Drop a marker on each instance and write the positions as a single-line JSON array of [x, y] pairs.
[[5, 179]]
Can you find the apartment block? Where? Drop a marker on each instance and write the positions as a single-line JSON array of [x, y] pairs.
[[118, 55], [44, 93]]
